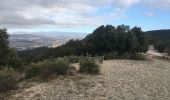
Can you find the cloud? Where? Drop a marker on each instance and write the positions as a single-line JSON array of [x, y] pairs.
[[59, 13], [161, 4], [67, 13], [150, 14]]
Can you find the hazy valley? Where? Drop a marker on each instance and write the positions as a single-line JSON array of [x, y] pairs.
[[27, 41]]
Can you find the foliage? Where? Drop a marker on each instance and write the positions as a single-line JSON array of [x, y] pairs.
[[61, 66], [7, 55], [3, 46], [47, 68], [157, 35], [160, 39], [168, 49], [114, 55], [35, 55], [122, 40], [110, 55], [160, 46], [32, 70], [74, 59], [139, 57], [88, 66], [8, 79]]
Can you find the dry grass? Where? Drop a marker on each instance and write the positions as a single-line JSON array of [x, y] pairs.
[[119, 80]]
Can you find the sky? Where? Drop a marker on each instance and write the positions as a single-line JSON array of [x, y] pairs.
[[82, 15]]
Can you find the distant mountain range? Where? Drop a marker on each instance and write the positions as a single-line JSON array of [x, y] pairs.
[[159, 34], [25, 41]]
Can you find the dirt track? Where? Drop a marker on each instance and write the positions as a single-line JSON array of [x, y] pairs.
[[119, 80]]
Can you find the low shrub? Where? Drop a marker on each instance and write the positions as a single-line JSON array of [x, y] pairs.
[[109, 56], [8, 79], [88, 66], [47, 68], [61, 67], [138, 57], [74, 59], [32, 70], [115, 55], [168, 51], [15, 63], [160, 46]]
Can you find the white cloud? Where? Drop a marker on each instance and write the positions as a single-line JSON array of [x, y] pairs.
[[161, 4], [62, 13], [66, 13], [150, 14]]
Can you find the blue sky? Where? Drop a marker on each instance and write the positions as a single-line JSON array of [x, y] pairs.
[[82, 15]]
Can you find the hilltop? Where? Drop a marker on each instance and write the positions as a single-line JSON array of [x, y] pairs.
[[159, 34]]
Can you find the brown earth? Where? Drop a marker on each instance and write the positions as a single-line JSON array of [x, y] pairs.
[[119, 80]]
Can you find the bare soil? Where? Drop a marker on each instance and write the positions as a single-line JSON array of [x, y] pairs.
[[119, 80]]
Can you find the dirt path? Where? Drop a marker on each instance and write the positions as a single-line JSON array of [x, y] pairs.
[[119, 80]]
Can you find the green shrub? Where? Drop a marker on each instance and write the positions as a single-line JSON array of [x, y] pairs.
[[168, 50], [15, 62], [7, 79], [47, 68], [114, 55], [61, 66], [138, 57], [74, 59], [32, 70], [109, 56], [160, 46], [88, 66]]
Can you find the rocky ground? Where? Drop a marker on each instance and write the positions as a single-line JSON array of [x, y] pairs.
[[119, 80]]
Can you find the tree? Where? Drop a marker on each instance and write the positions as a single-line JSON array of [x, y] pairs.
[[7, 55], [132, 44], [120, 40], [4, 50], [141, 38], [160, 46]]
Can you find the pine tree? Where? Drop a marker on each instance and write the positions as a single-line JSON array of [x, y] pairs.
[[7, 55]]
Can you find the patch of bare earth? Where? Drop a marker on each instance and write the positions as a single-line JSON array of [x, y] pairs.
[[119, 80]]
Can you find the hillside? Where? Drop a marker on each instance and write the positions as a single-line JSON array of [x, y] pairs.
[[160, 39], [119, 80], [27, 41], [30, 41], [159, 34]]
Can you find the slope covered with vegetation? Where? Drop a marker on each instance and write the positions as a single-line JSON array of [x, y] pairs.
[[159, 34], [118, 41], [160, 39], [108, 41]]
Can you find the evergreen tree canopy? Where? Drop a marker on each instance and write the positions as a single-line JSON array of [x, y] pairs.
[[7, 55], [121, 40]]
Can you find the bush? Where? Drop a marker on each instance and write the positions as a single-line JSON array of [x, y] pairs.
[[88, 66], [138, 57], [16, 63], [61, 66], [160, 46], [115, 55], [168, 49], [47, 68], [109, 56], [8, 79], [32, 70], [74, 59]]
